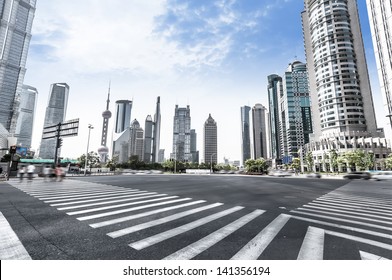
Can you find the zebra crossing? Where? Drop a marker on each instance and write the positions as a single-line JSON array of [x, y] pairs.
[[141, 219]]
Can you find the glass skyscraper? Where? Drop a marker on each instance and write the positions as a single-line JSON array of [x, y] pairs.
[[15, 34], [182, 134], [260, 136], [210, 141], [55, 113], [245, 133], [274, 87]]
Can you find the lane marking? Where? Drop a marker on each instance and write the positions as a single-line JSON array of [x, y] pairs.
[[313, 245], [359, 197], [257, 245], [370, 205], [368, 256], [370, 202], [342, 220], [130, 209], [133, 197], [118, 205], [104, 194], [350, 210], [203, 244], [149, 241], [145, 214], [11, 248], [84, 194], [363, 208], [360, 239], [160, 221]]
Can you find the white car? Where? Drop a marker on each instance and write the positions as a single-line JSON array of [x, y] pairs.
[[279, 173], [382, 175]]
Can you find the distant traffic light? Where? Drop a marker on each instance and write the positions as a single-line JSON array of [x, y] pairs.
[[59, 142]]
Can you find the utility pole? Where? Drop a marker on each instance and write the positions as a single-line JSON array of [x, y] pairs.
[[58, 129]]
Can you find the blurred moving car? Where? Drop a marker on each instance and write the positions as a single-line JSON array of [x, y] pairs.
[[313, 175], [279, 173], [382, 175], [358, 175]]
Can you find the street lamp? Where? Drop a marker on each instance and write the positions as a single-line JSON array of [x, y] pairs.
[[90, 126], [211, 162]]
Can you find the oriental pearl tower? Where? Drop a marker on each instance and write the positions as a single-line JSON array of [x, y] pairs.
[[104, 150]]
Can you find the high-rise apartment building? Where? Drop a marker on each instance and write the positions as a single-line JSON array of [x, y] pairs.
[[210, 141], [55, 113], [245, 133], [15, 34], [380, 17], [136, 140], [294, 110], [24, 125], [260, 128], [148, 127], [182, 134], [342, 103], [274, 88]]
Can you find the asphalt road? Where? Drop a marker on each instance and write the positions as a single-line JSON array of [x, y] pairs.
[[200, 217]]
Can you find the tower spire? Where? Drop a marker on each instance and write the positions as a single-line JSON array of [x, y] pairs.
[[108, 100]]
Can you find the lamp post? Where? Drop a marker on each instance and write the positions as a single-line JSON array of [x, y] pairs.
[[211, 162], [90, 126]]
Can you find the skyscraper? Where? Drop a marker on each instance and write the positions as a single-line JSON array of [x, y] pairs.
[[210, 141], [182, 134], [55, 113], [15, 34], [136, 140], [156, 132], [294, 109], [380, 17], [260, 136], [148, 127], [121, 129], [106, 115], [274, 88], [245, 133], [194, 151], [24, 125], [342, 103]]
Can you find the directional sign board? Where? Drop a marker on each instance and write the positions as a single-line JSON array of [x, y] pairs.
[[65, 129]]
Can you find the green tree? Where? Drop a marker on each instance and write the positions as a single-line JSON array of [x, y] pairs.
[[296, 164], [259, 165], [309, 160], [92, 159], [388, 161], [333, 159]]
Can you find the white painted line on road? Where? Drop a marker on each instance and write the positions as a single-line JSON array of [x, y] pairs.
[[360, 239], [350, 210], [160, 221], [203, 244], [80, 194], [367, 201], [345, 215], [360, 198], [369, 232], [130, 209], [10, 246], [149, 241], [119, 205], [313, 245], [145, 214], [342, 220], [365, 256], [104, 194], [351, 206], [257, 245], [134, 197], [372, 205]]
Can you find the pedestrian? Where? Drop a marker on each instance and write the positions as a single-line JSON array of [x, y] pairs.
[[47, 173], [30, 172], [59, 173], [21, 172]]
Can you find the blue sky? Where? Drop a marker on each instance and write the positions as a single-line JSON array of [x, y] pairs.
[[213, 55]]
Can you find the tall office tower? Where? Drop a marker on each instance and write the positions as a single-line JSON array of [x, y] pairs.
[[210, 141], [136, 140], [24, 125], [194, 151], [55, 113], [260, 136], [380, 17], [245, 133], [342, 103], [274, 89], [148, 127], [182, 134], [106, 115], [294, 109], [15, 34], [161, 156], [156, 131], [123, 121]]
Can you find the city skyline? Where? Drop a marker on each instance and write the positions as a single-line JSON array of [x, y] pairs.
[[229, 70]]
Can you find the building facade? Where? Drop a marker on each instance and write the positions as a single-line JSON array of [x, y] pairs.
[[210, 141], [122, 124], [182, 134], [342, 102], [274, 88], [156, 132], [260, 134], [194, 151], [245, 134], [15, 35], [380, 17], [136, 141], [55, 113], [148, 128], [294, 110], [25, 122]]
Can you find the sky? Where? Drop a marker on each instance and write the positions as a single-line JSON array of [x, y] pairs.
[[213, 55]]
